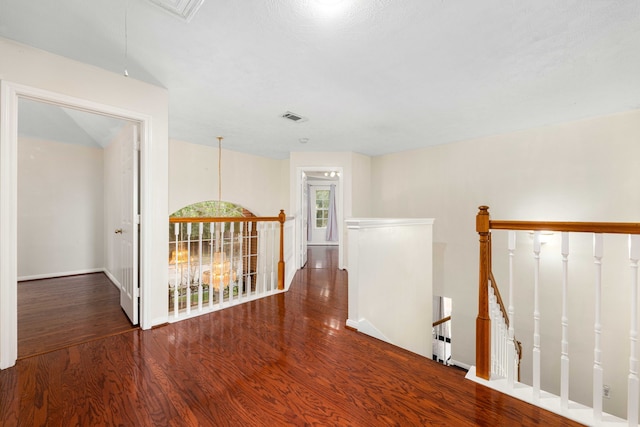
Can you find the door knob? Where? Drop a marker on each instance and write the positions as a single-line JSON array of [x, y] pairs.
[[118, 231]]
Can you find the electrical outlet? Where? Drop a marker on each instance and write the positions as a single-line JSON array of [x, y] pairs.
[[606, 392]]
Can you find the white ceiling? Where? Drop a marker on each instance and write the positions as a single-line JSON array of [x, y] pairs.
[[54, 123], [371, 76]]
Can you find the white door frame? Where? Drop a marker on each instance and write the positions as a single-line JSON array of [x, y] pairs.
[[300, 179], [9, 94]]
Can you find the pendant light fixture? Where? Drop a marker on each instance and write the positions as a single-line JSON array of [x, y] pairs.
[[222, 272]]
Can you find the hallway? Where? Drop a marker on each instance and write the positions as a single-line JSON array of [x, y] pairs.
[[282, 360]]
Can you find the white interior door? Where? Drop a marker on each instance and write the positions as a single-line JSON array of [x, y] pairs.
[[129, 230], [303, 216]]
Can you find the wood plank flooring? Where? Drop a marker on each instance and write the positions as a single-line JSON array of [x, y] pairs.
[[283, 360], [60, 312]]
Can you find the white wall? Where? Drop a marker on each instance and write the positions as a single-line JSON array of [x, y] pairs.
[[580, 171], [35, 68], [60, 208], [361, 203], [390, 283], [256, 183]]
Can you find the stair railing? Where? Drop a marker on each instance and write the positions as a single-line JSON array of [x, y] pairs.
[[216, 262], [485, 347], [441, 340]]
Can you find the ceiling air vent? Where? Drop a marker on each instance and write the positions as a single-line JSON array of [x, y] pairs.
[[297, 118]]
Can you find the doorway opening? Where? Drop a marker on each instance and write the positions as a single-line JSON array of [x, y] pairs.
[[76, 182], [70, 198], [313, 197], [10, 96]]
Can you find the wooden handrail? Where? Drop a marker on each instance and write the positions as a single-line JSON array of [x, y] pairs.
[[441, 321], [576, 227], [496, 292], [281, 218], [227, 219]]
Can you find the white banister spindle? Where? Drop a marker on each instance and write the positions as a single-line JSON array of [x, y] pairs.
[[176, 292], [201, 231], [250, 259], [272, 249], [220, 260], [597, 329], [633, 384], [188, 285], [494, 334], [240, 269], [511, 353], [262, 274], [212, 249], [536, 316], [232, 258], [564, 357]]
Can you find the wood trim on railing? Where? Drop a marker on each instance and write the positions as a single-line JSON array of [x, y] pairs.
[[483, 322], [576, 227], [441, 321], [228, 219]]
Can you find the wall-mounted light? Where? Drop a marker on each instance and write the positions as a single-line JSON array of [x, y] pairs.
[[545, 236]]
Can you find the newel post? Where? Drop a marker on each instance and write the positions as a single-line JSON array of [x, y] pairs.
[[483, 322], [281, 219]]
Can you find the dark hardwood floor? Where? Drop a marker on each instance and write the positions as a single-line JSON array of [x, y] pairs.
[[283, 360], [60, 312]]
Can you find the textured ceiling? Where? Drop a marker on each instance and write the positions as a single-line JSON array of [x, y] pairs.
[[374, 76]]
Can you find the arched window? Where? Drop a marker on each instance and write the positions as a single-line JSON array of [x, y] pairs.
[[209, 209]]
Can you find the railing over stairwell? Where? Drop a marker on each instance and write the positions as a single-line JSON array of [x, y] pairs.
[[493, 318], [506, 350], [219, 262], [442, 340]]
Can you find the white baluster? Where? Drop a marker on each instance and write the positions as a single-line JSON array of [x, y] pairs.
[[564, 358], [176, 232], [597, 329], [511, 355], [188, 303], [633, 387], [220, 250], [232, 277], [241, 263], [273, 267], [492, 316], [262, 259], [536, 317], [212, 232], [201, 230], [250, 259]]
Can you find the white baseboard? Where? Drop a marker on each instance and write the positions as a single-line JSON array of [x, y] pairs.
[[112, 278], [61, 274], [459, 364]]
